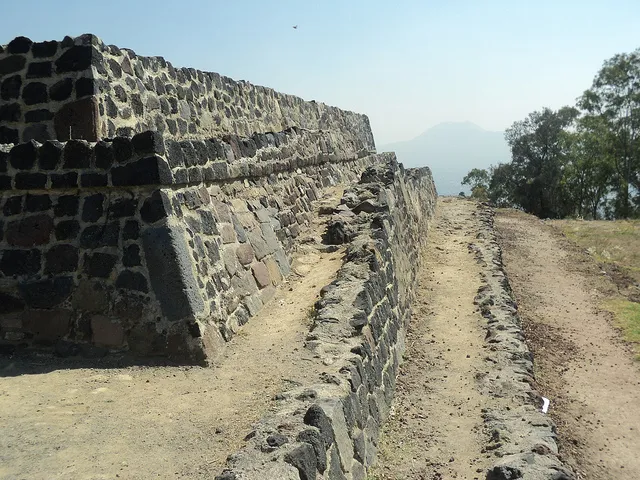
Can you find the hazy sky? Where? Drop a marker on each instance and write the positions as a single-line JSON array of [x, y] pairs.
[[407, 64]]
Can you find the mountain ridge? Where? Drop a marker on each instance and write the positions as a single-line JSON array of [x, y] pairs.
[[451, 149]]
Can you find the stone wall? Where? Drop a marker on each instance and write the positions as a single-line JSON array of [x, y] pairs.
[[330, 430], [37, 83], [154, 246], [150, 208], [95, 91]]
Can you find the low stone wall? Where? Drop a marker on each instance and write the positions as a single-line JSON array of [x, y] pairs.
[[330, 429], [151, 245], [82, 88], [522, 438]]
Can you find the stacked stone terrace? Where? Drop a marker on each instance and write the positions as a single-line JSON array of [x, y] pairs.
[[147, 208]]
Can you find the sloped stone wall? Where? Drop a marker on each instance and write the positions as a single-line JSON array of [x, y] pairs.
[[150, 245], [150, 208], [330, 430]]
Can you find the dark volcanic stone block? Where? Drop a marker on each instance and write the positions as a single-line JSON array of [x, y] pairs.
[[304, 459], [85, 87], [77, 154], [99, 264], [124, 132], [67, 230], [104, 154], [92, 208], [37, 203], [34, 93], [175, 155], [5, 182], [44, 49], [147, 171], [93, 180], [9, 135], [12, 206], [189, 153], [170, 268], [75, 59], [64, 180], [46, 293], [208, 223], [49, 155], [155, 207], [61, 90], [67, 206], [112, 108], [123, 207], [29, 231], [131, 256], [26, 181], [80, 118], [19, 45], [36, 131], [23, 156], [40, 115], [20, 262], [316, 417], [10, 304], [122, 149], [314, 438], [148, 142], [130, 280], [10, 112], [12, 64], [131, 230], [10, 87], [39, 70], [61, 258], [96, 236]]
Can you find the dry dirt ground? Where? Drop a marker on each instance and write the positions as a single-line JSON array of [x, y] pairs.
[[435, 429], [62, 419], [581, 364]]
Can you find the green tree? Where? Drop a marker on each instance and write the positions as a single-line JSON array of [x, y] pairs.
[[502, 185], [615, 98], [538, 156], [590, 168], [478, 180]]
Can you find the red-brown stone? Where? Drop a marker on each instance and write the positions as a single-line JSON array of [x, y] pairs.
[[47, 326], [106, 331], [35, 230]]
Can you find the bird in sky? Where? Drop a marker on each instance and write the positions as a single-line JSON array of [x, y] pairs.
[[295, 27]]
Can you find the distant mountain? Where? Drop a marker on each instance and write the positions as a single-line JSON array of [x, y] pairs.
[[451, 150]]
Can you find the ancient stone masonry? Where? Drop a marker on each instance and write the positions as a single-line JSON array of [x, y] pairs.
[[84, 88], [330, 430], [523, 439], [167, 220], [154, 247]]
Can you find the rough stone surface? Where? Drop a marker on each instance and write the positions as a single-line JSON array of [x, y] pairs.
[[359, 326]]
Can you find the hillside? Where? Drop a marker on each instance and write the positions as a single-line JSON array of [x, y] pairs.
[[451, 150]]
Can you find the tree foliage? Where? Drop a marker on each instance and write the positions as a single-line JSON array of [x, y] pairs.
[[576, 161]]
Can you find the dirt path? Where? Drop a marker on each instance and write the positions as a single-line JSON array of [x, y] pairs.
[[435, 430], [61, 420], [581, 365]]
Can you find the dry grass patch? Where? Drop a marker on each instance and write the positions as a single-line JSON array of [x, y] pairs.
[[615, 245], [609, 242]]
